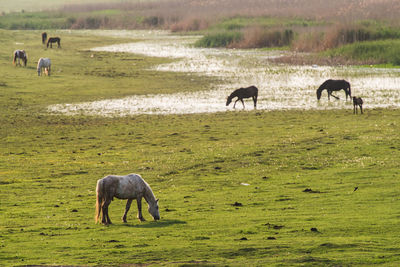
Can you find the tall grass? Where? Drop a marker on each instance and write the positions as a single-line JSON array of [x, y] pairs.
[[258, 37], [343, 34], [383, 51], [304, 25], [177, 13]]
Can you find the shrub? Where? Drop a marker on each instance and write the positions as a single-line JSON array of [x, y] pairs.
[[153, 21], [223, 39], [189, 25]]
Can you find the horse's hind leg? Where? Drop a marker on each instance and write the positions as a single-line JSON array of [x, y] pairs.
[[128, 206], [105, 218], [255, 101], [139, 206]]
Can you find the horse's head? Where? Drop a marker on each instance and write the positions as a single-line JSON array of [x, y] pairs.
[[25, 59], [153, 210], [228, 101], [319, 92]]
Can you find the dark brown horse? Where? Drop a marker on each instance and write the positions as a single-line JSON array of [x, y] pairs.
[[241, 93], [357, 101], [334, 85], [53, 40], [44, 37]]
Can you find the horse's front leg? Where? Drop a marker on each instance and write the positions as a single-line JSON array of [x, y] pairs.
[[242, 102], [128, 206], [333, 95], [235, 103], [139, 206]]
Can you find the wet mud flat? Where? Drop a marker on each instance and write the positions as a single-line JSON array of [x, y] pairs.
[[281, 87]]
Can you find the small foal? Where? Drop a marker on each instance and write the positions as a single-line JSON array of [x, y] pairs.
[[357, 101]]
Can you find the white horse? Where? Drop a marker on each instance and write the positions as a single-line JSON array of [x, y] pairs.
[[20, 54], [131, 186], [44, 63]]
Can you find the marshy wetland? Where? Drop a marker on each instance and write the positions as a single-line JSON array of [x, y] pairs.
[[282, 87], [293, 183]]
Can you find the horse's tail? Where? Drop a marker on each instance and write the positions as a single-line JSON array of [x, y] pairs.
[[349, 89], [99, 199], [15, 57], [39, 65], [255, 91]]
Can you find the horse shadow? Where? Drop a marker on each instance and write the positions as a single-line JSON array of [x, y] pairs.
[[155, 224]]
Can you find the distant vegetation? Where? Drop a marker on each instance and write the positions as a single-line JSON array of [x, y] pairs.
[[302, 26], [386, 51]]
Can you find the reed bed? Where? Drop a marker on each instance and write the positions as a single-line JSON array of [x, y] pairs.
[[301, 25]]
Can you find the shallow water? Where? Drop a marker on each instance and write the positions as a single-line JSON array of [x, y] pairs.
[[280, 86]]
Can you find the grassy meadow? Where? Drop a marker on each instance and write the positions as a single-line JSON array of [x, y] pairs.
[[240, 188]]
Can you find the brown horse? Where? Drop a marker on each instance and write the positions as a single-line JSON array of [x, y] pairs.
[[334, 85], [129, 187], [357, 101], [241, 93], [44, 37], [53, 40]]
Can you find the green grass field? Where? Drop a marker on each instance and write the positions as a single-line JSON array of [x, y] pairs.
[[252, 188], [38, 5]]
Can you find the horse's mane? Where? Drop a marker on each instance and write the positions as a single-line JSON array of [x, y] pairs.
[[149, 195], [323, 85], [232, 95]]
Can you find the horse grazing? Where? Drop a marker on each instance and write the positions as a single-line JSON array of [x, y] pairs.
[[357, 101], [53, 40], [131, 186], [44, 37], [20, 55], [44, 63], [241, 93], [334, 85]]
